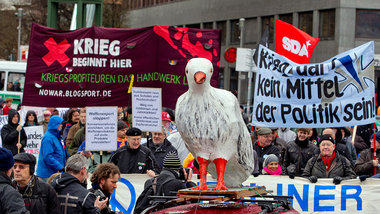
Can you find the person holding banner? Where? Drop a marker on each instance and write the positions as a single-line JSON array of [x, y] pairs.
[[328, 164], [52, 157], [298, 152], [366, 163], [13, 135], [39, 197], [134, 157]]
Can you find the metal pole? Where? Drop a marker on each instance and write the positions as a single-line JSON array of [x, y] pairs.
[[19, 15], [250, 75], [241, 27]]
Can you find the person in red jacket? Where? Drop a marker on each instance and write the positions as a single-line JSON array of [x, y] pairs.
[[8, 105]]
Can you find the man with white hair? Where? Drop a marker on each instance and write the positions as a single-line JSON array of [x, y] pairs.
[[73, 196]]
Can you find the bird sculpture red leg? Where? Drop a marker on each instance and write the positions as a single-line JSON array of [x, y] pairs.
[[203, 163], [220, 164]]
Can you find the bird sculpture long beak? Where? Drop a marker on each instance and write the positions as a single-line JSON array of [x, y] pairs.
[[199, 77]]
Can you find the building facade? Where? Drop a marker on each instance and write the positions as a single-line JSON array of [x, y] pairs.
[[340, 24]]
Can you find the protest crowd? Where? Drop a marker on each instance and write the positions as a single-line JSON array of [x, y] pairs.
[[58, 185]]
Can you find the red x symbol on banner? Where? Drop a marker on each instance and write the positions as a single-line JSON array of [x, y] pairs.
[[56, 52]]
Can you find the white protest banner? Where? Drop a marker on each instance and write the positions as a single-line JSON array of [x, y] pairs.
[[351, 196], [338, 92], [244, 59], [33, 143], [146, 109], [101, 128]]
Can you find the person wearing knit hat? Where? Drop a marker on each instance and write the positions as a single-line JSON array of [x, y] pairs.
[[171, 161], [10, 200], [39, 197], [271, 165], [328, 164], [264, 146]]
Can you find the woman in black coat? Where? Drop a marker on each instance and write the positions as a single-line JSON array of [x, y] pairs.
[[10, 133]]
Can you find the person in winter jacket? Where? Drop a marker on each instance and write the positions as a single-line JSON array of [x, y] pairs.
[[264, 146], [30, 119], [159, 146], [340, 146], [10, 200], [10, 133], [39, 197], [298, 153], [104, 179], [71, 190], [52, 157], [328, 164], [73, 130], [366, 164], [134, 157], [73, 118]]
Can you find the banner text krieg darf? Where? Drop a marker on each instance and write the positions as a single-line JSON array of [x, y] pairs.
[[93, 66], [337, 92]]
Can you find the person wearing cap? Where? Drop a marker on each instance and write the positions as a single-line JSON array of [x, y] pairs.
[[134, 157], [39, 197], [264, 145], [10, 134], [45, 122], [366, 164], [10, 200], [168, 124], [159, 146], [298, 153], [72, 146], [122, 128], [8, 105], [271, 165], [52, 156], [171, 179], [328, 164]]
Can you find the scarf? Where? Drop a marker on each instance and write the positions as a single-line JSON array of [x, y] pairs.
[[328, 161], [277, 172], [28, 189]]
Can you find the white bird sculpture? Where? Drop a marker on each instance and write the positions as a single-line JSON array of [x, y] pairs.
[[210, 122]]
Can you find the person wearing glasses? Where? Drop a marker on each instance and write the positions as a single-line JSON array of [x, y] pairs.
[[264, 146], [39, 197]]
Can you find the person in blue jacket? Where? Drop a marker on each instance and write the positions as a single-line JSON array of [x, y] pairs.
[[52, 157]]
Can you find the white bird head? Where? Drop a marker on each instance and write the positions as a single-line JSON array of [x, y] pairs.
[[198, 72]]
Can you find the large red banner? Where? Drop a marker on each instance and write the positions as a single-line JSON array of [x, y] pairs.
[[293, 43], [94, 66]]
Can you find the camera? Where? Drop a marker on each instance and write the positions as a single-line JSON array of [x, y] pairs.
[[182, 174], [99, 193]]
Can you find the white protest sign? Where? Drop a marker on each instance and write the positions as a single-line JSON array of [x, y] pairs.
[[335, 93], [34, 134], [101, 128], [244, 59], [146, 109], [351, 196]]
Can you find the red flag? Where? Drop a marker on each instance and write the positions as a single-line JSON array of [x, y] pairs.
[[293, 43]]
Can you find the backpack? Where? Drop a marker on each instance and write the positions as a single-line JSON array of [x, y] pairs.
[[153, 189]]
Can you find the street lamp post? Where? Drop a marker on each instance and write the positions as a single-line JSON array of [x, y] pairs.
[[19, 14], [241, 76]]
